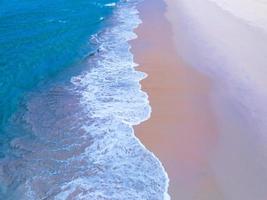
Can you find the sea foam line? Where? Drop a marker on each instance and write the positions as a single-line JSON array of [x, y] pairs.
[[166, 195], [82, 143], [132, 22]]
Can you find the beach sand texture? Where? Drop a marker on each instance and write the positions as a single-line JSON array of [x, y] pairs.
[[182, 129], [232, 51], [208, 130]]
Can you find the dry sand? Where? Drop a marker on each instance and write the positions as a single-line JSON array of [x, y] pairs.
[[233, 53], [182, 129]]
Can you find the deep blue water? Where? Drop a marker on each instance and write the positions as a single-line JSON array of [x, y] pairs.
[[40, 38]]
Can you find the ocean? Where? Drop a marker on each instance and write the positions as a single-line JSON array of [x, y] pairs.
[[70, 95]]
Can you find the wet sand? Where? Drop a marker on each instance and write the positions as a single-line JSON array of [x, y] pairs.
[[182, 130]]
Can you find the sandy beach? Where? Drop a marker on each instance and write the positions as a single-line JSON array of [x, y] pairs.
[[232, 50], [207, 94], [182, 129]]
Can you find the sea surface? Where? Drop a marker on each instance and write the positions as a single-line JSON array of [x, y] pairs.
[[70, 95]]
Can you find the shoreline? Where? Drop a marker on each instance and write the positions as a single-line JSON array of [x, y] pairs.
[[182, 128]]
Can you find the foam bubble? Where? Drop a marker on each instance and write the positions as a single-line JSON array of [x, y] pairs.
[[81, 143], [110, 4]]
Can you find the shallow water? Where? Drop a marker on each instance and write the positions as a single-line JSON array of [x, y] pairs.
[[40, 39], [76, 139]]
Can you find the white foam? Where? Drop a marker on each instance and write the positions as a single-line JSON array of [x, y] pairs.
[[113, 92], [81, 142], [110, 4]]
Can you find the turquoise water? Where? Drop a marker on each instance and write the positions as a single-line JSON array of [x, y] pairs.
[[70, 95], [40, 38]]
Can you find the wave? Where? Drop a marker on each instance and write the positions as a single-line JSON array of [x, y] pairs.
[[80, 142]]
